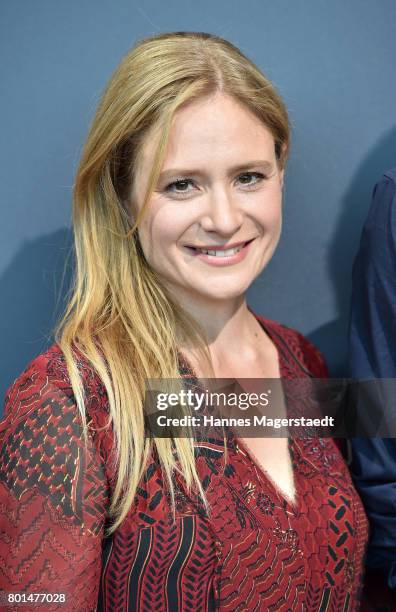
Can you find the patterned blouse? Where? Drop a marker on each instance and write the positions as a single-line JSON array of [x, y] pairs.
[[255, 551]]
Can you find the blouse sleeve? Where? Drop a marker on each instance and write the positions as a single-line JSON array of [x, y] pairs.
[[53, 499]]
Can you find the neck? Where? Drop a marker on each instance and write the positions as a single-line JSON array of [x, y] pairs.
[[229, 326]]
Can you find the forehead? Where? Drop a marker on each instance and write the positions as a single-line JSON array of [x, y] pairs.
[[212, 130]]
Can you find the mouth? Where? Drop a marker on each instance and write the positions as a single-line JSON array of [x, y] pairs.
[[219, 251]]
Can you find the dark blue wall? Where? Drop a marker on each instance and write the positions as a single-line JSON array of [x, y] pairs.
[[332, 61]]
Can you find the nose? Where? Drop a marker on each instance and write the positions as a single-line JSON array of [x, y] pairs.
[[223, 213]]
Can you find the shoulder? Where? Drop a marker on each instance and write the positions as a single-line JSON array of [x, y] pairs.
[[45, 384], [382, 213], [36, 381], [375, 261], [390, 175], [304, 355]]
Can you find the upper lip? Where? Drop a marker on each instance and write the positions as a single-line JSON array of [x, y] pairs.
[[218, 247]]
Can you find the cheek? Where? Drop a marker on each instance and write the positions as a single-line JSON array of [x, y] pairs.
[[269, 212], [161, 228]]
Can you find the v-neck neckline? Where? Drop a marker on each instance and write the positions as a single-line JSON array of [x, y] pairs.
[[292, 504], [262, 473]]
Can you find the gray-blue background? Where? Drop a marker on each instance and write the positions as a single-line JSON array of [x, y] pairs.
[[333, 62]]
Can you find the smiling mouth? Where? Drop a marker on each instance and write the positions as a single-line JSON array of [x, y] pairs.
[[219, 252]]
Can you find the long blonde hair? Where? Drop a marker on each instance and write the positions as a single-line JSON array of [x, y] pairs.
[[119, 316]]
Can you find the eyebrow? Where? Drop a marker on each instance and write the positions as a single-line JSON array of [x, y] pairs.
[[265, 165]]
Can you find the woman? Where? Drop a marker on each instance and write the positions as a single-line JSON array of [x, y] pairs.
[[177, 209]]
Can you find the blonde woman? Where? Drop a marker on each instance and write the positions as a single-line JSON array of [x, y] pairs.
[[177, 209]]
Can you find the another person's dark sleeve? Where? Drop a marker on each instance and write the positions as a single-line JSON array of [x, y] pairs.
[[373, 355]]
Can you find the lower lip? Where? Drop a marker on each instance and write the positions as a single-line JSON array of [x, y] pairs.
[[214, 260]]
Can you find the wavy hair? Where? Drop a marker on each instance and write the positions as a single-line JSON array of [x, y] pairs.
[[119, 315]]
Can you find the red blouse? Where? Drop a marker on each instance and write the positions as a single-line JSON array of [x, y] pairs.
[[255, 551]]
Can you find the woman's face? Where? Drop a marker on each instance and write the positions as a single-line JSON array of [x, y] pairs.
[[214, 219]]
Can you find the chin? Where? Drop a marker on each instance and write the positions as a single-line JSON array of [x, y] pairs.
[[232, 287]]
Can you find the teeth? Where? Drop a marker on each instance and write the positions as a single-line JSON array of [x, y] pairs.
[[223, 253]]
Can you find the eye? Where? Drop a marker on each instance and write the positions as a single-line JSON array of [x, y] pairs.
[[180, 186], [250, 178]]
